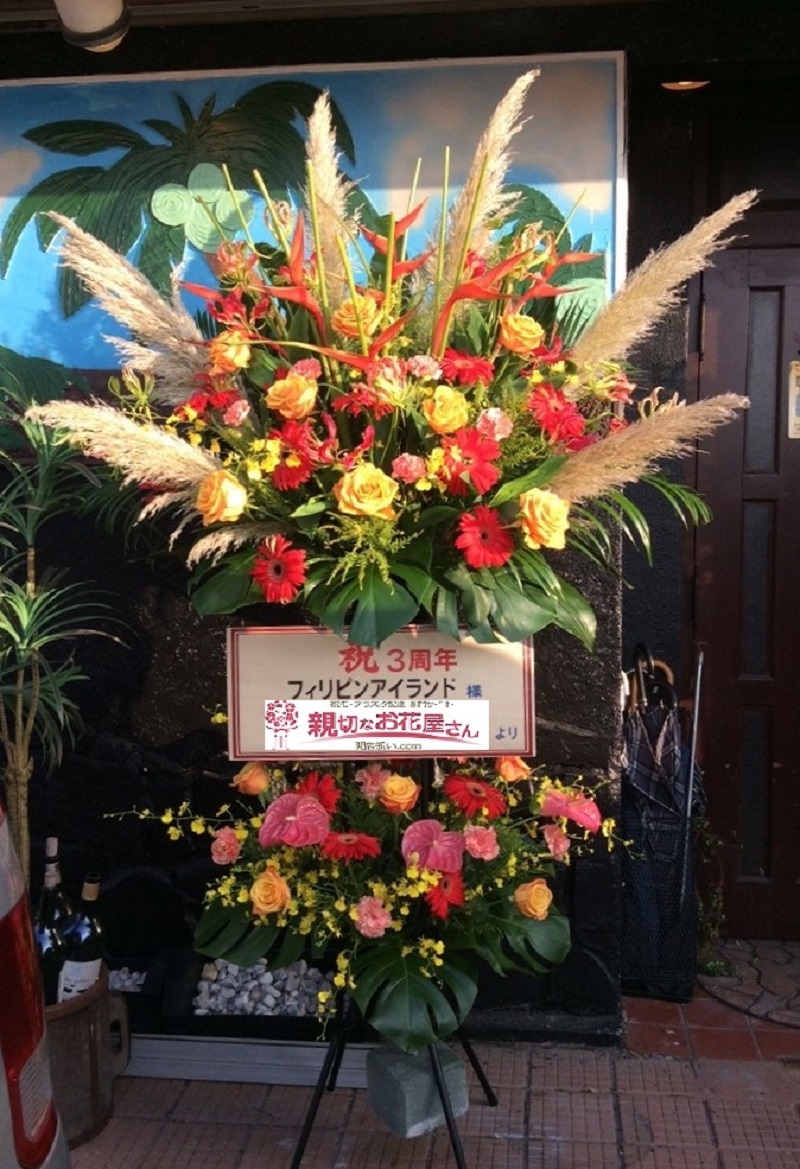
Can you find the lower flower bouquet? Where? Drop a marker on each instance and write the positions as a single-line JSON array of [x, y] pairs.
[[410, 883]]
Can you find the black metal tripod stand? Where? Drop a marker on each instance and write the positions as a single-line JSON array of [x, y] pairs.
[[326, 1082]]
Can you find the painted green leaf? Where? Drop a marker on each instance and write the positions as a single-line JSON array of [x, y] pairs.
[[171, 204], [84, 136], [64, 192], [161, 249]]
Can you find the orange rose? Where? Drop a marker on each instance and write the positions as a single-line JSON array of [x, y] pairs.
[[398, 793], [446, 411], [543, 518], [229, 351], [345, 319], [293, 396], [533, 899], [366, 490], [520, 334], [269, 893], [511, 768], [221, 499], [252, 779]]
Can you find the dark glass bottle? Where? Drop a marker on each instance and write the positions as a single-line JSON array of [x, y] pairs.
[[47, 926], [83, 935]]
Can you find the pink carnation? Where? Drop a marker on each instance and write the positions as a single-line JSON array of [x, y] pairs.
[[557, 841], [481, 843], [373, 919], [423, 367], [294, 819], [370, 779], [307, 367], [408, 468], [236, 412], [494, 423], [578, 808], [225, 847], [432, 847]]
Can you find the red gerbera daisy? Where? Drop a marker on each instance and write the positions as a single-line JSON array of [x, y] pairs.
[[350, 846], [323, 787], [279, 570], [466, 369], [449, 891], [474, 797], [483, 539], [296, 465], [467, 460], [559, 418]]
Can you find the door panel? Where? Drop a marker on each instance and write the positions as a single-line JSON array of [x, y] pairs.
[[747, 590]]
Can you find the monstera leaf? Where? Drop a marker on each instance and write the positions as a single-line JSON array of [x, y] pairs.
[[404, 1004]]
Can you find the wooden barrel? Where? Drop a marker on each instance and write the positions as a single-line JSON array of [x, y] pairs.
[[82, 1062]]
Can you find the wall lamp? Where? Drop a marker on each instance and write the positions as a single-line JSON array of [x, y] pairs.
[[683, 86], [96, 25]]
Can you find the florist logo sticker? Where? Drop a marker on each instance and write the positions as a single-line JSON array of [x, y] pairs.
[[280, 717], [382, 725]]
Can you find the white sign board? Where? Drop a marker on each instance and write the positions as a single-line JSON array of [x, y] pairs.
[[300, 693]]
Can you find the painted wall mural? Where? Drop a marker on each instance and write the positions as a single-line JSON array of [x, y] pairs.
[[138, 161]]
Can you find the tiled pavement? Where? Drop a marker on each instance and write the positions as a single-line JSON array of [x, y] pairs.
[[700, 1086]]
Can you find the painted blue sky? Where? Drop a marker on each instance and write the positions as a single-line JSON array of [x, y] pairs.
[[570, 148]]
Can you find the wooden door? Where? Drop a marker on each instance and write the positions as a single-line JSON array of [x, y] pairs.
[[747, 589]]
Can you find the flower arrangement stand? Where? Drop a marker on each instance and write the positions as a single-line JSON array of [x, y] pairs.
[[330, 1069]]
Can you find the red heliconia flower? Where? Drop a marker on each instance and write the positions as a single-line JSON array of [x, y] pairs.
[[350, 846], [323, 787], [474, 797], [559, 418], [484, 540], [465, 368], [467, 460], [449, 892], [279, 570]]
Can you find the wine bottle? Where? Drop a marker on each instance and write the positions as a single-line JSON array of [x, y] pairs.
[[63, 908], [50, 944], [83, 935]]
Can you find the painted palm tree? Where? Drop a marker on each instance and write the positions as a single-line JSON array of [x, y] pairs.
[[113, 203]]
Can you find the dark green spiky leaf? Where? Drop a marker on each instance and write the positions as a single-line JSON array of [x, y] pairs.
[[446, 612], [575, 615], [535, 478], [520, 614], [223, 589]]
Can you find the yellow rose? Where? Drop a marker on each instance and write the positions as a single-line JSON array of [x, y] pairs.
[[345, 319], [446, 411], [293, 396], [511, 768], [221, 499], [520, 334], [398, 793], [252, 779], [533, 899], [229, 351], [269, 893], [366, 490], [543, 518]]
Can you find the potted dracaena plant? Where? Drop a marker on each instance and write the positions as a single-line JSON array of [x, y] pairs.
[[41, 614]]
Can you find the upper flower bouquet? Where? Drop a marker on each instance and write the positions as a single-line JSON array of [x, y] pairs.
[[382, 436]]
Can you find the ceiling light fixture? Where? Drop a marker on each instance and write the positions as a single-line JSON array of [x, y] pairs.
[[683, 86], [96, 25]]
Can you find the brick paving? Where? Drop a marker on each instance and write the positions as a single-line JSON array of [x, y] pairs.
[[710, 1084], [560, 1107]]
